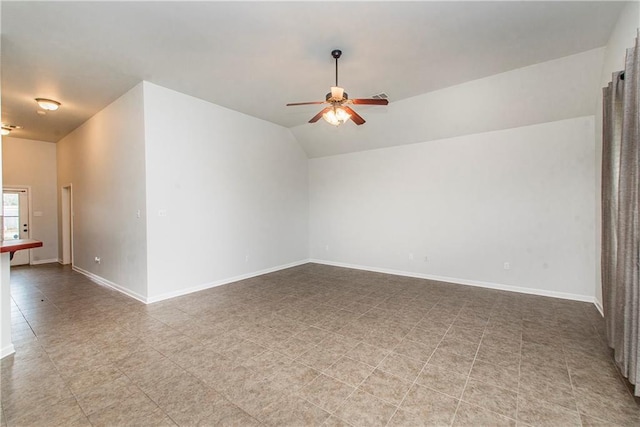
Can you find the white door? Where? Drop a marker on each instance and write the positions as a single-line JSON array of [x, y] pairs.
[[15, 209]]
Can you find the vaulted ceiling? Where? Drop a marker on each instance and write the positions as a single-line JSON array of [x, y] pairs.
[[254, 57]]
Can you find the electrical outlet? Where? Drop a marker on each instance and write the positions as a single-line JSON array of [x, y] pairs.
[[426, 258], [97, 259], [326, 248], [507, 266], [410, 257]]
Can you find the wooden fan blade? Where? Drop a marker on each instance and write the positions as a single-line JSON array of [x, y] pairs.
[[370, 101], [305, 103], [317, 116], [357, 119]]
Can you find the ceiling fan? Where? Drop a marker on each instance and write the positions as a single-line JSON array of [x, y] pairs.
[[338, 110]]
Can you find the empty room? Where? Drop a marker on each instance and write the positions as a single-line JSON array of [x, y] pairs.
[[314, 213]]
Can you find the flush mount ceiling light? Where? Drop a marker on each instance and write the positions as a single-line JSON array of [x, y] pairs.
[[48, 104], [339, 111], [6, 129]]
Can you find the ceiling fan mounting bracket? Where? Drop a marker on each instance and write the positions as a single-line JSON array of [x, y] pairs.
[[336, 53], [329, 98]]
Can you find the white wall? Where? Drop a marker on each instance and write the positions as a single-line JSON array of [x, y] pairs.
[[104, 161], [469, 204], [555, 90], [33, 164], [622, 38], [232, 189]]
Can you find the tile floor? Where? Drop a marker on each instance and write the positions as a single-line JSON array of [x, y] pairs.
[[311, 345]]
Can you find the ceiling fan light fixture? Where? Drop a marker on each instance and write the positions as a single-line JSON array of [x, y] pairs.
[[336, 116], [48, 104], [339, 110]]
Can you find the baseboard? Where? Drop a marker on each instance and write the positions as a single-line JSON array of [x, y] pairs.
[[44, 261], [598, 305], [7, 351], [104, 282], [489, 285], [221, 282]]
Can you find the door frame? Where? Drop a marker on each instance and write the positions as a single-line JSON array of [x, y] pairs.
[[27, 188], [66, 228]]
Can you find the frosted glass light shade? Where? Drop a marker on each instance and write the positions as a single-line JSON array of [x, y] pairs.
[[337, 92], [48, 104], [336, 116]]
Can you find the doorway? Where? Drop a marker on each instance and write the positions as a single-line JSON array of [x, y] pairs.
[[66, 204], [15, 224]]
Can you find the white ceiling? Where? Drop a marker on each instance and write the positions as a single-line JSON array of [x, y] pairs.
[[254, 57]]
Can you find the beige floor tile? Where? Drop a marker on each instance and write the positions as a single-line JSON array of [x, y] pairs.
[[619, 408], [459, 346], [313, 334], [267, 363], [414, 350], [404, 418], [493, 398], [588, 421], [107, 394], [451, 361], [541, 413], [225, 414], [138, 409], [294, 376], [334, 421], [319, 358], [386, 386], [369, 354], [254, 397], [17, 402], [472, 415], [326, 392], [349, 371], [497, 375], [294, 411], [92, 378], [60, 413], [558, 393], [506, 359], [432, 407], [293, 347], [439, 379], [364, 410], [185, 399], [401, 366]]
